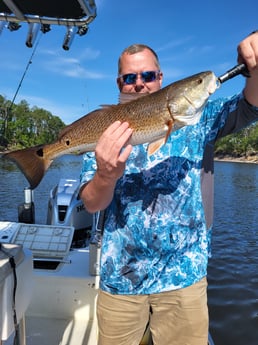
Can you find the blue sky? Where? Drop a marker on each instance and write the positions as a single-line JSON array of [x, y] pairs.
[[189, 37]]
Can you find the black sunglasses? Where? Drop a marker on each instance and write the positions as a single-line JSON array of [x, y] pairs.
[[146, 77]]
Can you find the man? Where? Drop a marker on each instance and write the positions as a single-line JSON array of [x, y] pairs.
[[157, 231]]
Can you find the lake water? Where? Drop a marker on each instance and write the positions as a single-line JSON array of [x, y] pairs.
[[233, 268]]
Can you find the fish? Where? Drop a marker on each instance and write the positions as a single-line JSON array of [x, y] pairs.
[[152, 117]]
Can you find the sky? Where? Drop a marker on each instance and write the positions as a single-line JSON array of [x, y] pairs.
[[189, 37]]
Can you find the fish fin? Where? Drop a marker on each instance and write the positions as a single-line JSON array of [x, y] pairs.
[[125, 97], [156, 145], [106, 106], [64, 130], [170, 125], [31, 162]]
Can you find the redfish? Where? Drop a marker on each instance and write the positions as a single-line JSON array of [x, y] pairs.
[[152, 117]]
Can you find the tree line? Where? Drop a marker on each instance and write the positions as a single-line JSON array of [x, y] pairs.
[[22, 126], [241, 144]]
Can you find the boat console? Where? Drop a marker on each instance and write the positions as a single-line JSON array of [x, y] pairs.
[[50, 245], [64, 294], [16, 287]]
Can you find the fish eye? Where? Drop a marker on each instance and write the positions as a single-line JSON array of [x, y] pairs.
[[199, 81], [67, 142]]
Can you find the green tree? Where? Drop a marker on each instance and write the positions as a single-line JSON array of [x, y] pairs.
[[243, 143], [4, 119], [23, 127]]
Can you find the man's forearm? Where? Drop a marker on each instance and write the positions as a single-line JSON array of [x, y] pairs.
[[97, 193]]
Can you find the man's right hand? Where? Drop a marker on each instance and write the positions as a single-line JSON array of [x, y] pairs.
[[111, 154], [112, 151]]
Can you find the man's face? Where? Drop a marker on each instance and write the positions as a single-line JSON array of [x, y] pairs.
[[138, 63]]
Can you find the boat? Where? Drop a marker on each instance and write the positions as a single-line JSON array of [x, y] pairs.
[[57, 306], [56, 303], [40, 15], [49, 273]]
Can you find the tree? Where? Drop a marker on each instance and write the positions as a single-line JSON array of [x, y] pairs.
[[243, 143], [23, 127], [4, 118]]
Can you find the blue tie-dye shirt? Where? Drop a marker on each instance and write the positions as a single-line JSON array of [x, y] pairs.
[[157, 233]]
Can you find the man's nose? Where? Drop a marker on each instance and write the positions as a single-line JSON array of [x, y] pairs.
[[139, 80]]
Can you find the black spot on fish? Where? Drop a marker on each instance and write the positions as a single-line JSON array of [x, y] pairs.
[[40, 152]]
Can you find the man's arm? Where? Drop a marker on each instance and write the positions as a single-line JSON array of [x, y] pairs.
[[248, 53]]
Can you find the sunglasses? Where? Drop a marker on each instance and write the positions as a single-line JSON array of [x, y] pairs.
[[146, 77]]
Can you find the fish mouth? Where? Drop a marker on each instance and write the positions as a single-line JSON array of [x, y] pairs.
[[218, 83], [214, 84]]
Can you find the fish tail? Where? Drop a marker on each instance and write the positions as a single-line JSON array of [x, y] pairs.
[[31, 162]]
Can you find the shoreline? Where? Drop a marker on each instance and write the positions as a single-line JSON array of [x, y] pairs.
[[227, 158], [217, 158]]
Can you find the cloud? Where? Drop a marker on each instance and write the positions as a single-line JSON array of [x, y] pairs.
[[172, 74], [6, 64], [67, 113], [72, 66], [173, 44], [89, 54], [85, 54]]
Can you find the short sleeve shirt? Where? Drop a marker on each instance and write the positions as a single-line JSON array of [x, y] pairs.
[[156, 237]]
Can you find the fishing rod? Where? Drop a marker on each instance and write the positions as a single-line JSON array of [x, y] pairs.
[[3, 129], [25, 72], [233, 72]]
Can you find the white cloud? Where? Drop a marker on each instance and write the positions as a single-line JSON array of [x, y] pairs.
[[72, 66], [173, 44]]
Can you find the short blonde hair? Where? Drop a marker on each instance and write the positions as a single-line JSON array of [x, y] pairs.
[[136, 48]]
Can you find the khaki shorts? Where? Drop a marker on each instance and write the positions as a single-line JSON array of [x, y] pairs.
[[177, 317]]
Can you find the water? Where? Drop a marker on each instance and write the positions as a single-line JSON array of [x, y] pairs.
[[233, 268], [13, 183]]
